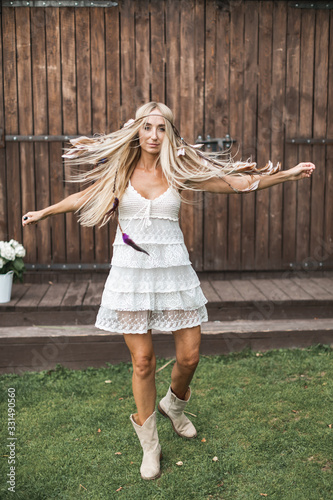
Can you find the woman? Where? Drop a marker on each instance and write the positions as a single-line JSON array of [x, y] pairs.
[[143, 168]]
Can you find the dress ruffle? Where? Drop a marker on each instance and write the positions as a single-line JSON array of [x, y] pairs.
[[158, 291], [142, 321]]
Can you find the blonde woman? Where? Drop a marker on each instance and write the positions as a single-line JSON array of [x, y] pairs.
[[141, 171]]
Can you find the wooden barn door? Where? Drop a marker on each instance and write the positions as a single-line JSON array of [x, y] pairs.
[[259, 71]]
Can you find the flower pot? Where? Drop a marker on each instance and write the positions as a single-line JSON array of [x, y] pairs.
[[6, 282]]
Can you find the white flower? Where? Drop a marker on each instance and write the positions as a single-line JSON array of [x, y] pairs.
[[19, 251], [7, 251], [2, 262], [129, 122], [14, 243]]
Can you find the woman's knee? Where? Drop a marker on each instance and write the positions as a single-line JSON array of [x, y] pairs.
[[189, 360], [144, 365]]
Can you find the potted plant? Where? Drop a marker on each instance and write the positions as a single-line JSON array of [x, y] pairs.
[[11, 266]]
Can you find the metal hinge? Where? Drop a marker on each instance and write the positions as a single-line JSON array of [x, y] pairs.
[[62, 3]]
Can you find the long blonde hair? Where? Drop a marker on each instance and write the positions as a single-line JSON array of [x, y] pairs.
[[116, 155]]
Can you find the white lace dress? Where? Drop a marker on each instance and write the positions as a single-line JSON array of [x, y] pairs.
[[160, 290]]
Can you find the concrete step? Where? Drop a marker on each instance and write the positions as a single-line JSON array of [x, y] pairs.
[[36, 348]]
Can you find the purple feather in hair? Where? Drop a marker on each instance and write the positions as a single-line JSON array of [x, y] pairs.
[[127, 240], [114, 207]]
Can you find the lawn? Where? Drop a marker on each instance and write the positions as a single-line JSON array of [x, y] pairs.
[[266, 417]]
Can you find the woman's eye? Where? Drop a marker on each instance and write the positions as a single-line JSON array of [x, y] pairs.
[[162, 129]]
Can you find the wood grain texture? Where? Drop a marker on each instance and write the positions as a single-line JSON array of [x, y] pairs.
[[328, 219], [127, 40], [24, 88], [3, 187], [291, 131], [191, 213], [143, 53], [249, 142], [12, 177], [52, 20], [216, 124], [264, 130], [320, 103], [69, 112], [236, 127], [157, 51], [305, 130], [277, 136], [260, 71]]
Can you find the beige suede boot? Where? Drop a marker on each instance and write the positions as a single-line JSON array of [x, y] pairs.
[[173, 408], [148, 437]]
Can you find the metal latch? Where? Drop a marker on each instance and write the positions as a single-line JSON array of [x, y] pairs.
[[216, 144]]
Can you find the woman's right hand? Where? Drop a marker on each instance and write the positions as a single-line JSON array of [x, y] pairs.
[[33, 217]]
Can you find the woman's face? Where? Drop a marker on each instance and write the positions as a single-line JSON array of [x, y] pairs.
[[152, 133]]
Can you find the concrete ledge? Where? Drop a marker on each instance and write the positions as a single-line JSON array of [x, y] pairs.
[[42, 347]]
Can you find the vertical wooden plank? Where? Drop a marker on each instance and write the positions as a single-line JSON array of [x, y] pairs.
[[291, 131], [3, 192], [40, 111], [157, 50], [191, 214], [112, 81], [52, 20], [112, 68], [14, 211], [319, 131], [264, 129], [172, 79], [236, 126], [84, 118], [305, 130], [250, 129], [199, 76], [327, 251], [24, 87], [216, 122], [142, 49], [98, 80], [277, 104], [69, 103], [127, 60]]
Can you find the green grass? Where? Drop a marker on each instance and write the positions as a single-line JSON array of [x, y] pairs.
[[266, 417]]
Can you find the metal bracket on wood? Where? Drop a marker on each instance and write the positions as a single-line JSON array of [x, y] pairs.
[[311, 5], [67, 267], [62, 3], [216, 144], [300, 140], [39, 138]]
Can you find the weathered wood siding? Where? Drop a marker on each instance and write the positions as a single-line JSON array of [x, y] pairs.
[[260, 71]]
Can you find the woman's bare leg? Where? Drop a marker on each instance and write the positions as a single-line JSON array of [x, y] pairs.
[[143, 380], [187, 343]]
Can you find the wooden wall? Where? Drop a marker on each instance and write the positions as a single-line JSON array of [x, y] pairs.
[[257, 70]]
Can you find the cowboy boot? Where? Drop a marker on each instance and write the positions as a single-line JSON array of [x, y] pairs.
[[173, 408], [148, 437]]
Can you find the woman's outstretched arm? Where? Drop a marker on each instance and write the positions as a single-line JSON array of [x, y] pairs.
[[232, 184], [70, 204]]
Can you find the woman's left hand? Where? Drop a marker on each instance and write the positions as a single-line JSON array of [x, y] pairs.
[[301, 171]]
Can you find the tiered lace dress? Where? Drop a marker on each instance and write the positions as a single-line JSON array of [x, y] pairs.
[[160, 291]]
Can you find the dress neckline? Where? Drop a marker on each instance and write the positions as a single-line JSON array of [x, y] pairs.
[[147, 199]]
